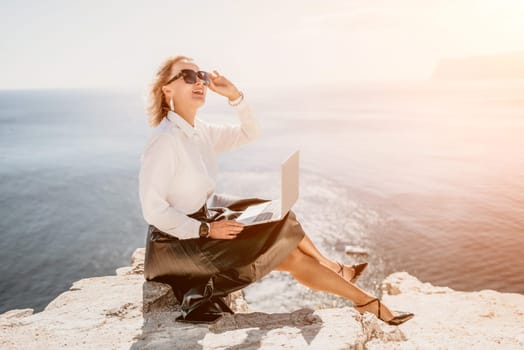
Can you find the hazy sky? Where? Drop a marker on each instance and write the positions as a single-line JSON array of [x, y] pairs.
[[121, 43]]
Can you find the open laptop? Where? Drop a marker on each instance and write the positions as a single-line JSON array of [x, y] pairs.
[[276, 209]]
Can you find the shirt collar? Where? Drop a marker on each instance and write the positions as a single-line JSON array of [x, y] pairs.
[[182, 124]]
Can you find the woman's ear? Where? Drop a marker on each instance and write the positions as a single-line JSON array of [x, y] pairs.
[[166, 90]]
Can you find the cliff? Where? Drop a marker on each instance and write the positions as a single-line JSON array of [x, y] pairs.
[[126, 312], [502, 66]]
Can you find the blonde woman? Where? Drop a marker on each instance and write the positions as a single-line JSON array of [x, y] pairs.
[[193, 242]]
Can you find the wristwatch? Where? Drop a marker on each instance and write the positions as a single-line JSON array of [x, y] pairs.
[[204, 229]]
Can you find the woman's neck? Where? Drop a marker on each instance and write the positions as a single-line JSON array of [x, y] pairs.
[[188, 114]]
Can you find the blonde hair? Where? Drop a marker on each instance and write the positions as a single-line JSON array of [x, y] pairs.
[[157, 107]]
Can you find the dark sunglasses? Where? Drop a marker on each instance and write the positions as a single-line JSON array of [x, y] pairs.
[[190, 76]]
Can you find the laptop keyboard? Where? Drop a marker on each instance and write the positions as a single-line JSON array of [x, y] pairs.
[[263, 216], [268, 212]]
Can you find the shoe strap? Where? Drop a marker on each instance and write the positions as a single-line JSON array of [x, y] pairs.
[[369, 302], [341, 271]]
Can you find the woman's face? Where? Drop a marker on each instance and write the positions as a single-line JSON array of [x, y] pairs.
[[184, 93]]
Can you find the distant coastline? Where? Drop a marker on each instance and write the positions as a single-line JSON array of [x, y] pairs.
[[501, 66]]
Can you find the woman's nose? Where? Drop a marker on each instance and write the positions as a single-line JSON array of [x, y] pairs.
[[200, 81]]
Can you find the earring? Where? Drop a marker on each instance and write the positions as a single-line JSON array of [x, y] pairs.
[[172, 104]]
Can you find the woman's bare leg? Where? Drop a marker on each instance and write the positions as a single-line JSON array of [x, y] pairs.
[[308, 247], [311, 273]]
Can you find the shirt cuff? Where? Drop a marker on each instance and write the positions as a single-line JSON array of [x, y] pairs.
[[236, 101], [196, 229]]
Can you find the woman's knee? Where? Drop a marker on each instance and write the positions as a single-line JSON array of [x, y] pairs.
[[292, 260]]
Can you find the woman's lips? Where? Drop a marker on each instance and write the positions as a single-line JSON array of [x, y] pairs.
[[198, 92]]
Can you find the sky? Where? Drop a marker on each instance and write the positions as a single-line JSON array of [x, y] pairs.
[[120, 44]]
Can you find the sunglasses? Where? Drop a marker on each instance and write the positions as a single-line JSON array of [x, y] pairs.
[[190, 76]]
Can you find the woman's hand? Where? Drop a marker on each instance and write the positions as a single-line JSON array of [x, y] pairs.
[[222, 86], [225, 229]]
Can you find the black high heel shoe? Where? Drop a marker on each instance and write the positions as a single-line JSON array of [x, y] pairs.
[[358, 270], [400, 318]]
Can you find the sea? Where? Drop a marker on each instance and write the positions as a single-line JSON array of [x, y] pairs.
[[426, 177]]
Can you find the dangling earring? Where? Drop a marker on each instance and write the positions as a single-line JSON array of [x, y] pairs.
[[172, 104]]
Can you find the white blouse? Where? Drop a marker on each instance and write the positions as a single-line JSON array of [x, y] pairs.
[[179, 168]]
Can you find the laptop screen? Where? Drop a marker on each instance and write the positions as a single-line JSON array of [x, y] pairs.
[[290, 182]]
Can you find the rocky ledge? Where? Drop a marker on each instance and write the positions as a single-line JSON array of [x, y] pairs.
[[126, 312]]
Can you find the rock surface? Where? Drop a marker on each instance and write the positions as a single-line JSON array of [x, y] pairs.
[[126, 312]]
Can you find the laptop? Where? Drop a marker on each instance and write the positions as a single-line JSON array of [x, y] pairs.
[[276, 209]]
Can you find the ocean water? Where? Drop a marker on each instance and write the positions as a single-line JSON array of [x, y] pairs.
[[428, 177]]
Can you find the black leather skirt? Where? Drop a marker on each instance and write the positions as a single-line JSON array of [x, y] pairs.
[[202, 271]]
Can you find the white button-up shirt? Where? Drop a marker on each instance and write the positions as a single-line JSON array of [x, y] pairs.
[[179, 168]]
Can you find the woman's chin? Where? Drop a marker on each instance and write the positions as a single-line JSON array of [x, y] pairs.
[[198, 99]]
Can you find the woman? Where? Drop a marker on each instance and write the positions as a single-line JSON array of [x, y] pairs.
[[201, 251]]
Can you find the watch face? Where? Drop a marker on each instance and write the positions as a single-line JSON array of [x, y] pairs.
[[204, 229]]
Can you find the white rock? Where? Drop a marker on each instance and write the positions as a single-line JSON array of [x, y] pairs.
[[449, 319], [355, 249], [126, 312]]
